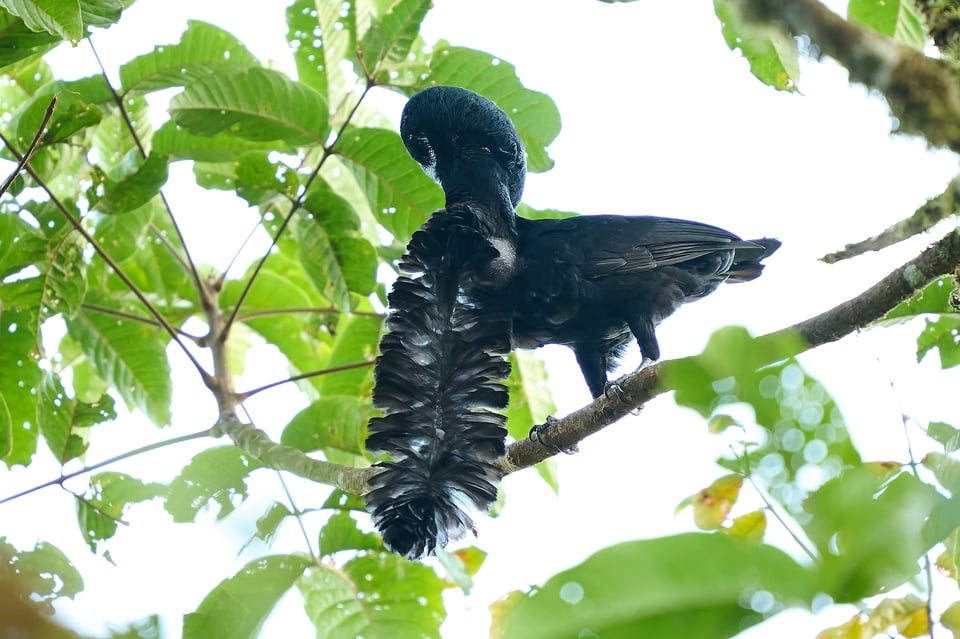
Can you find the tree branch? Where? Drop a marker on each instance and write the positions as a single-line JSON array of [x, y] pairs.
[[923, 93]]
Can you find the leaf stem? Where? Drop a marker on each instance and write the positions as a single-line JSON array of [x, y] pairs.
[[244, 396], [209, 432], [34, 145], [327, 152]]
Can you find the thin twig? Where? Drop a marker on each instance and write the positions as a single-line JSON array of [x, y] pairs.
[[209, 432], [327, 152], [34, 145], [78, 226], [118, 100], [136, 318], [244, 396], [157, 233], [321, 309]]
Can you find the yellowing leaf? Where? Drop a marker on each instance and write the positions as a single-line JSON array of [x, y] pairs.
[[712, 504], [907, 615], [950, 619], [853, 629], [749, 527], [720, 423]]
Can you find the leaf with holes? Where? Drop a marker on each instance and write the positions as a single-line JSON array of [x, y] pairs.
[[63, 420], [110, 494], [19, 369], [214, 476], [373, 595], [44, 571], [253, 104]]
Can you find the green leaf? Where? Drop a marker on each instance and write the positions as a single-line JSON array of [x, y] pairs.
[[110, 496], [942, 334], [357, 339], [101, 13], [390, 36], [897, 19], [64, 276], [216, 475], [341, 533], [321, 35], [530, 404], [6, 428], [20, 353], [868, 542], [533, 113], [59, 17], [689, 586], [400, 194], [932, 298], [179, 144], [129, 355], [945, 434], [238, 606], [136, 189], [253, 104], [374, 595], [268, 524], [336, 258], [44, 571], [204, 49], [772, 54], [118, 154], [261, 181], [20, 43], [339, 500], [333, 421], [21, 245], [61, 417]]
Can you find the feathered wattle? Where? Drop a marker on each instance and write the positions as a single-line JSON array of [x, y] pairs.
[[439, 380]]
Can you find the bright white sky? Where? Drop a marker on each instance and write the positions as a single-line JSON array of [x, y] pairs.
[[658, 118]]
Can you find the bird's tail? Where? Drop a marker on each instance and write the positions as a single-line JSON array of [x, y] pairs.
[[439, 382], [747, 259]]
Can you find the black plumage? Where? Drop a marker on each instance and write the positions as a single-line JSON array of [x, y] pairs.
[[594, 282], [439, 378]]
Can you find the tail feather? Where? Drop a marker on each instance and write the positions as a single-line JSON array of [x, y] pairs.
[[439, 380]]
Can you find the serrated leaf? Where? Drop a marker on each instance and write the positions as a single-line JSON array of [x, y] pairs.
[[373, 595], [400, 195], [687, 586], [772, 54], [336, 258], [216, 475], [204, 49], [253, 104], [61, 417], [20, 43], [897, 19], [136, 189], [341, 533], [390, 36], [131, 357], [110, 495], [333, 421], [179, 144], [238, 606], [534, 114], [59, 17]]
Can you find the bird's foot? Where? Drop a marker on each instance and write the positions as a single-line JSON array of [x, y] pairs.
[[536, 434], [615, 389]]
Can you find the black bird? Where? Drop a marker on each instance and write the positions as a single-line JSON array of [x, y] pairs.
[[439, 378], [587, 282], [595, 282]]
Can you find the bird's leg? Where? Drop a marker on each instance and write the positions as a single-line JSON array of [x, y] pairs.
[[615, 388], [536, 434]]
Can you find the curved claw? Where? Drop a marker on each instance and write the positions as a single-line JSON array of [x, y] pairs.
[[617, 390], [536, 434]]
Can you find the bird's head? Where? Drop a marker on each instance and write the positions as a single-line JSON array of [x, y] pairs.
[[465, 142]]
